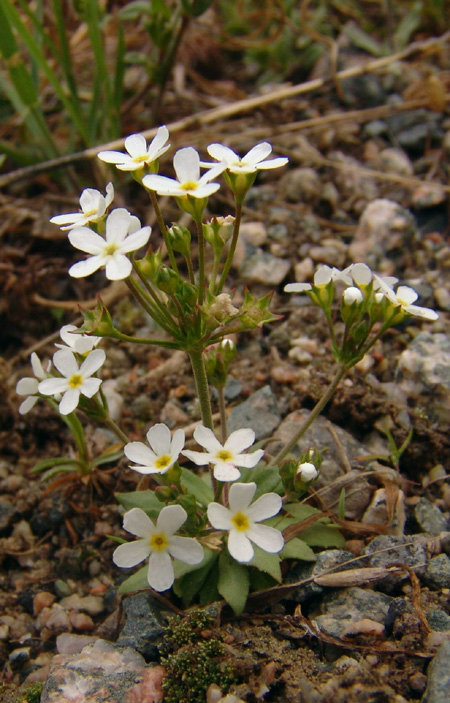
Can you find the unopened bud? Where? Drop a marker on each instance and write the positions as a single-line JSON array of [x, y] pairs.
[[307, 471], [352, 295]]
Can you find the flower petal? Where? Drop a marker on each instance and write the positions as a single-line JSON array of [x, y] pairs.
[[219, 516], [425, 313], [248, 461], [223, 153], [136, 145], [141, 454], [118, 267], [86, 240], [27, 386], [273, 163], [92, 362], [177, 444], [86, 267], [136, 240], [240, 440], [171, 518], [268, 538], [226, 472], [406, 295], [71, 218], [158, 141], [90, 386], [64, 360], [27, 404], [161, 184], [206, 438], [160, 571], [186, 163], [112, 157], [159, 438], [199, 458], [138, 523], [52, 386], [240, 547], [241, 495], [264, 507], [69, 401], [130, 554], [257, 154], [186, 549]]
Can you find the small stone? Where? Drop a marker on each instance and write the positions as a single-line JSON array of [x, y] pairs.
[[114, 398], [81, 622], [329, 255], [42, 599], [173, 414], [378, 514], [438, 620], [429, 518], [278, 232], [301, 185], [62, 588], [351, 605], [262, 267], [253, 233], [437, 575], [67, 643], [20, 656], [7, 515], [259, 412], [87, 604], [54, 619], [418, 682], [442, 297], [438, 684], [428, 196], [326, 561], [304, 270], [394, 160], [387, 550], [143, 628], [423, 372]]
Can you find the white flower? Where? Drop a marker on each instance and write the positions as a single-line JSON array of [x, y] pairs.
[[93, 207], [362, 276], [307, 471], [159, 543], [405, 297], [29, 385], [322, 277], [254, 160], [241, 521], [352, 295], [76, 380], [79, 343], [123, 235], [225, 458], [186, 163], [164, 451], [138, 153]]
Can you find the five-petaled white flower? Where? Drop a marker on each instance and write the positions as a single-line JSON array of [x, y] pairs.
[[79, 343], [76, 380], [186, 163], [159, 543], [164, 451], [138, 153], [307, 471], [405, 297], [29, 385], [93, 207], [123, 235], [241, 520], [254, 160], [225, 458]]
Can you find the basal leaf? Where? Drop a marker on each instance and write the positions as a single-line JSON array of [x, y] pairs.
[[298, 549], [233, 583]]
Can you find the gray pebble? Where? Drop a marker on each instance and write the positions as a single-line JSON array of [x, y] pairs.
[[437, 575], [429, 517], [438, 684], [259, 412]]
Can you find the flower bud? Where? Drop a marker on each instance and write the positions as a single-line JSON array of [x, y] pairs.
[[352, 295], [307, 471], [180, 239]]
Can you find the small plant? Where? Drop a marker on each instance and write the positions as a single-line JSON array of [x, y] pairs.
[[223, 531], [193, 659], [32, 694]]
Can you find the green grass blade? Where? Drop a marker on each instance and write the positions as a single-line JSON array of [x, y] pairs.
[[102, 103]]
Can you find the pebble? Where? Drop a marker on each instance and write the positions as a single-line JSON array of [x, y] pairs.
[[351, 605], [429, 518], [81, 622], [173, 414], [438, 683], [262, 267], [428, 196], [19, 656], [102, 671], [326, 561], [55, 619], [438, 620], [331, 255], [143, 627], [386, 550], [395, 160], [259, 412], [7, 515], [442, 297], [42, 599], [87, 604], [384, 228], [68, 643], [254, 233], [378, 513], [304, 270], [437, 575], [423, 373], [301, 185]]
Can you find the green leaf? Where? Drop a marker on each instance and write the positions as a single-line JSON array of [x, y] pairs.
[[135, 582], [109, 455], [146, 500], [197, 486], [267, 479], [320, 535], [234, 582], [300, 511], [341, 504], [56, 461], [190, 579], [298, 549], [269, 563]]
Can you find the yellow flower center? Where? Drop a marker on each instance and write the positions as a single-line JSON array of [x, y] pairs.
[[140, 159], [240, 522], [76, 380], [163, 461], [159, 542], [189, 185], [110, 249], [224, 455]]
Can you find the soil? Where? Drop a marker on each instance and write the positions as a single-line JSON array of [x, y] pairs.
[[59, 529]]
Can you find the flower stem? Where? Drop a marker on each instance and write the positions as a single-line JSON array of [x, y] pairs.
[[319, 406], [116, 429], [223, 414], [201, 262], [163, 230], [201, 384], [230, 255]]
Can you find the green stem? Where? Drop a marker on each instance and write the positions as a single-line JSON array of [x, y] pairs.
[[162, 309], [163, 230], [233, 243], [148, 306], [223, 414], [319, 406], [201, 384], [201, 262], [190, 268], [116, 429]]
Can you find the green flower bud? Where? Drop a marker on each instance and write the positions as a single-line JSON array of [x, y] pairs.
[[180, 239]]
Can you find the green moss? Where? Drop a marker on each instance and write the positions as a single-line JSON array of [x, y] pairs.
[[32, 694], [194, 659]]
